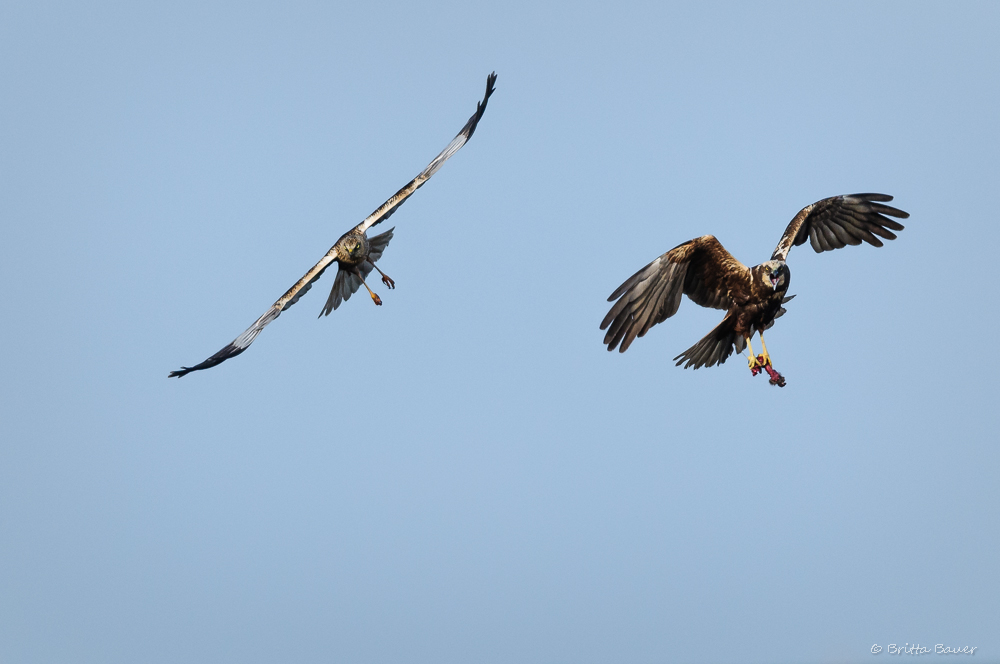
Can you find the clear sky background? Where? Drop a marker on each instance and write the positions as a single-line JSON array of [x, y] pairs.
[[465, 474]]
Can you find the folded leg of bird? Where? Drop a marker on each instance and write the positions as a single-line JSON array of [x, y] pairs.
[[385, 278], [767, 358], [375, 298], [764, 362], [755, 366]]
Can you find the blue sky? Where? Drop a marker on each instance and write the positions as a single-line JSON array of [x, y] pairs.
[[465, 474]]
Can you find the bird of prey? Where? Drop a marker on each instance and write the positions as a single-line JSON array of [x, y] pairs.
[[703, 270], [355, 253]]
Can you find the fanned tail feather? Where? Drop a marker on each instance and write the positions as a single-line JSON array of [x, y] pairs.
[[346, 282], [714, 348]]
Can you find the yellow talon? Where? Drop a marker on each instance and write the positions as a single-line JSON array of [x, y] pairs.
[[767, 358], [753, 363]]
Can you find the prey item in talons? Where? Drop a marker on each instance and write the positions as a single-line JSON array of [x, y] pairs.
[[776, 378], [759, 364]]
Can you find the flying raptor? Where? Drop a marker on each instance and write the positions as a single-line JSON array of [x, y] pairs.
[[354, 253], [703, 270]]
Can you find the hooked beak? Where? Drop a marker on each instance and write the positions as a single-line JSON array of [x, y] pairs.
[[775, 278]]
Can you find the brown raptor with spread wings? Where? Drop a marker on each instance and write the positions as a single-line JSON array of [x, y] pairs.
[[355, 253], [703, 270]]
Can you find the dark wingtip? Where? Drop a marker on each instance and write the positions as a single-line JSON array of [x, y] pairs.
[[882, 198], [179, 373], [481, 105]]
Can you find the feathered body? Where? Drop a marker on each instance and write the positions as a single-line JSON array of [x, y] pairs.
[[356, 256], [354, 253], [753, 297]]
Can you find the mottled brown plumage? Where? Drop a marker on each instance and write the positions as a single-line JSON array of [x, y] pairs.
[[354, 253], [753, 297]]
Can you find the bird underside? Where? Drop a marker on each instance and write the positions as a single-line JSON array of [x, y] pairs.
[[718, 345], [351, 277]]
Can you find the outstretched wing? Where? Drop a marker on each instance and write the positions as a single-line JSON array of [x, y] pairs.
[[702, 269], [346, 283], [385, 210], [242, 342], [836, 222]]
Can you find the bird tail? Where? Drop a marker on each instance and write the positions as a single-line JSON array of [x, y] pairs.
[[346, 282], [378, 245], [714, 348]]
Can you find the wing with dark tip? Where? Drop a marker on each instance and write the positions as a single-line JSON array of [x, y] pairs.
[[702, 269], [836, 222], [242, 342], [386, 209]]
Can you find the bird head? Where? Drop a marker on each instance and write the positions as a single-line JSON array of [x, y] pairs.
[[356, 248], [775, 274]]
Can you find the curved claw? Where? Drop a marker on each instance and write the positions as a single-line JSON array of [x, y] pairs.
[[760, 364], [376, 299], [388, 282]]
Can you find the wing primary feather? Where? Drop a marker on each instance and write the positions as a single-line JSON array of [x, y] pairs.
[[622, 328], [235, 347], [843, 237], [881, 232], [386, 210], [884, 198], [838, 221], [832, 242], [631, 281], [891, 211]]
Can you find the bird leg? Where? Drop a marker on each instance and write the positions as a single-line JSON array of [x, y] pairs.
[[385, 278], [767, 358], [755, 366], [765, 361], [375, 298]]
